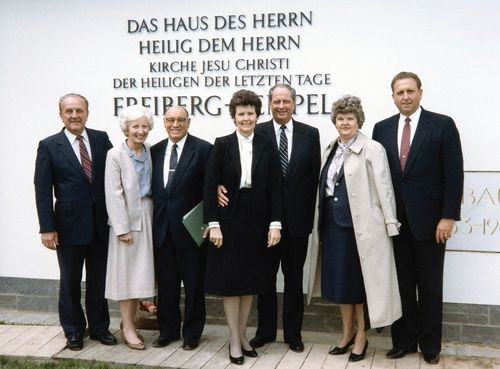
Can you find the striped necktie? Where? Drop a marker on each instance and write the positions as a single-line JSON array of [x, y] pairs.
[[85, 159], [283, 149], [172, 164]]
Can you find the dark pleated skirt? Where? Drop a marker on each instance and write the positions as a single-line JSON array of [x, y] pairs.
[[242, 265], [341, 277]]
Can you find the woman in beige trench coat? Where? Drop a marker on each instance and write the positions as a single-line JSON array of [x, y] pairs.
[[356, 209]]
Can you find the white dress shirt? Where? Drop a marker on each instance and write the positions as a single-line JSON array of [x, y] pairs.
[[75, 144], [245, 146], [288, 132], [413, 124], [168, 154]]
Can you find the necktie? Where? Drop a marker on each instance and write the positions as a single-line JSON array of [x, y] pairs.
[[283, 150], [85, 159], [172, 164], [405, 143]]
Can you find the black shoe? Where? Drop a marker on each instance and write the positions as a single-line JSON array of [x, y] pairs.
[[257, 342], [357, 357], [398, 353], [342, 350], [236, 360], [74, 343], [106, 339], [296, 347], [431, 359], [249, 353], [190, 345], [162, 341]]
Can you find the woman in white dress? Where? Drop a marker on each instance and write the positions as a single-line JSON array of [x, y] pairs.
[[130, 269]]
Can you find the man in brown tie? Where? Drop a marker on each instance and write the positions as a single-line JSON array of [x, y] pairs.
[[425, 158], [70, 167]]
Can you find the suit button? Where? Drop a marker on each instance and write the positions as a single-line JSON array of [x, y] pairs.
[[337, 184], [335, 199]]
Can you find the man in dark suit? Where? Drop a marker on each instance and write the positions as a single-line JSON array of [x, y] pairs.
[[300, 154], [179, 164], [425, 159], [70, 166]]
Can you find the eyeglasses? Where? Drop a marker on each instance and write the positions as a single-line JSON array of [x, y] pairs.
[[173, 120]]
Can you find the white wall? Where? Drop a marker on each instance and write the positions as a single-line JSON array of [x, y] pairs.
[[52, 47]]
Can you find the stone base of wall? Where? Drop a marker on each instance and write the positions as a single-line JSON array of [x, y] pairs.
[[462, 323]]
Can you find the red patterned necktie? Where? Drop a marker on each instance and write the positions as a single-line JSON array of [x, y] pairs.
[[405, 143], [85, 159]]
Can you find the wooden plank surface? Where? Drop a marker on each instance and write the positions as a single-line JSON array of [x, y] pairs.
[[41, 335], [159, 354], [52, 347], [49, 341], [316, 356], [180, 357], [410, 361], [10, 332], [69, 354], [336, 361], [210, 347], [15, 337], [220, 360], [380, 361], [294, 360]]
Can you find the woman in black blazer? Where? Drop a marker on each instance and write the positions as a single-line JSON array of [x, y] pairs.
[[239, 261]]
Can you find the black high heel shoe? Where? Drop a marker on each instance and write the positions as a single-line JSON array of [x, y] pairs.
[[342, 350], [236, 360], [357, 357], [249, 353]]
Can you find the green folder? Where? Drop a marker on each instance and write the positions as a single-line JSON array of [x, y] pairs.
[[193, 221]]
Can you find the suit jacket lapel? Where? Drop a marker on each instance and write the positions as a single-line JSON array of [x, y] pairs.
[[159, 164], [393, 148], [96, 150], [324, 167], [296, 154], [68, 152], [234, 154], [418, 140], [185, 159], [257, 150]]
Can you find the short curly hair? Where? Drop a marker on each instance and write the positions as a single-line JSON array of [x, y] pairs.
[[348, 104], [134, 112], [243, 98]]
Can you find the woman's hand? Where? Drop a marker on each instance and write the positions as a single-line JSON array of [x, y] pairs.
[[215, 235], [222, 199], [273, 237], [126, 238]]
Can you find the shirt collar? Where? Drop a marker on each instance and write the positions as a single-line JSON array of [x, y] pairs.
[[72, 137], [180, 143], [243, 138], [277, 126], [131, 153], [414, 117]]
